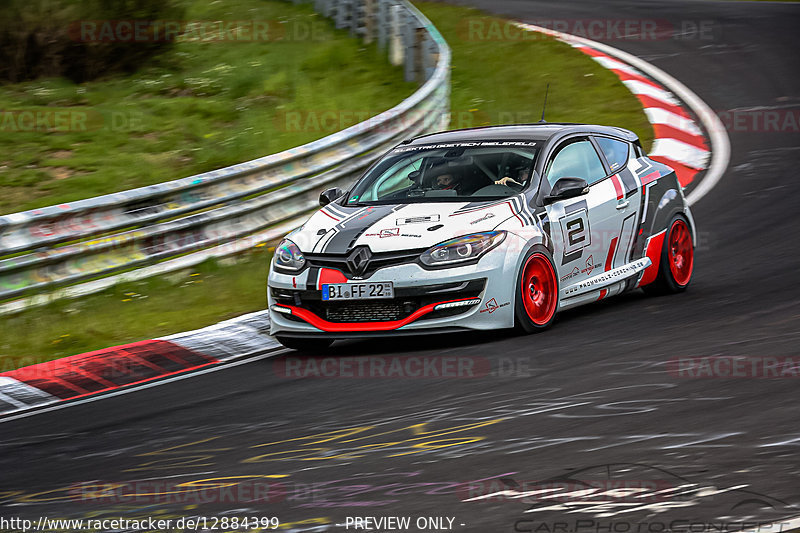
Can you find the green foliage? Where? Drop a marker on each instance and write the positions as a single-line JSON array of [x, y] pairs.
[[196, 107], [500, 73], [41, 38]]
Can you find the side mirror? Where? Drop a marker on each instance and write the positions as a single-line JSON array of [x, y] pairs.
[[329, 195], [567, 188]]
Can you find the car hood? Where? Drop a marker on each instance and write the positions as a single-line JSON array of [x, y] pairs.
[[337, 230]]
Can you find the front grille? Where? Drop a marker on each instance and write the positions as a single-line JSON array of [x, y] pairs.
[[405, 302], [377, 261], [364, 312]]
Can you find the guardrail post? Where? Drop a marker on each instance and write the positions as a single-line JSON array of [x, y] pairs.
[[397, 51], [419, 54], [370, 11], [355, 16], [409, 39], [430, 56], [341, 13], [383, 24]]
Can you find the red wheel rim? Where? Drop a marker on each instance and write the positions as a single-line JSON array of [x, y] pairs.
[[680, 252], [539, 289]]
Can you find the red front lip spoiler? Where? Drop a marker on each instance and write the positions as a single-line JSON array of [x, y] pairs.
[[334, 327]]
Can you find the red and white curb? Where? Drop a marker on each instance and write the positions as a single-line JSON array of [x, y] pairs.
[[103, 371], [670, 107]]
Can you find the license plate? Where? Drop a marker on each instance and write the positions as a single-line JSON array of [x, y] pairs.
[[357, 291]]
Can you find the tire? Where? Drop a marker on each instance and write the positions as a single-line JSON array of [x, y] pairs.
[[536, 300], [305, 345], [677, 260]]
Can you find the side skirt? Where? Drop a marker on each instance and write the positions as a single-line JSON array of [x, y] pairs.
[[602, 285]]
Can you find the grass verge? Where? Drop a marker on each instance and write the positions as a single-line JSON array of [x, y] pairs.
[[128, 312], [493, 81], [204, 104]]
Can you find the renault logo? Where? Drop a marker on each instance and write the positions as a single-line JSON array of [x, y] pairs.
[[358, 260]]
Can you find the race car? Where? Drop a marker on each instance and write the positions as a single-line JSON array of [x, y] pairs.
[[482, 228]]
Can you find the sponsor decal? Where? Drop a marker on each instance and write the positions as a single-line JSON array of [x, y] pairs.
[[487, 216], [610, 276], [492, 306], [417, 220], [391, 232], [479, 144], [575, 272], [590, 266]]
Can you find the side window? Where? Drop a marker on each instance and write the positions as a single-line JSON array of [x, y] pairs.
[[576, 160], [616, 152]]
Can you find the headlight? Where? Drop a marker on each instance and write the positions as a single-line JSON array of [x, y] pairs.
[[288, 256], [462, 249]]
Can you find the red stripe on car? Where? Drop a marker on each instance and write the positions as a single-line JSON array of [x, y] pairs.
[[610, 256], [617, 186], [335, 327], [654, 245], [330, 275]]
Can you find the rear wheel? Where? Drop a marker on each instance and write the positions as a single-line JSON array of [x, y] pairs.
[[677, 260], [304, 345], [537, 292]]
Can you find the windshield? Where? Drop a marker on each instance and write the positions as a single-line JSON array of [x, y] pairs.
[[447, 172]]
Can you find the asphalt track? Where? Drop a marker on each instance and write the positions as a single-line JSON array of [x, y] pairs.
[[589, 400]]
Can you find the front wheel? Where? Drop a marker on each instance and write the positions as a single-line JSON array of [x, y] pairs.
[[537, 292], [304, 344], [677, 260]]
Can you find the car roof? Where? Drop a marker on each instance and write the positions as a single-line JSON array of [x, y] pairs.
[[541, 131]]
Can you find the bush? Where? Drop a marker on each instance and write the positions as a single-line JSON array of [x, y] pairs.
[[42, 38]]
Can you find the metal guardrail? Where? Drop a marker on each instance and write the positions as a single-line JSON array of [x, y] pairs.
[[58, 246]]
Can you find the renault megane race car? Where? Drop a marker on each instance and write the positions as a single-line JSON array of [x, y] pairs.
[[481, 229]]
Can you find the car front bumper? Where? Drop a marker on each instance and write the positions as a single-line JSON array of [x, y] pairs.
[[479, 296]]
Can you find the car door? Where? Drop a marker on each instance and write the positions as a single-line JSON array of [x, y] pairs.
[[616, 154], [584, 228]]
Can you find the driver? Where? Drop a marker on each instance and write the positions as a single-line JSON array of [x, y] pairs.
[[518, 178], [448, 179]]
